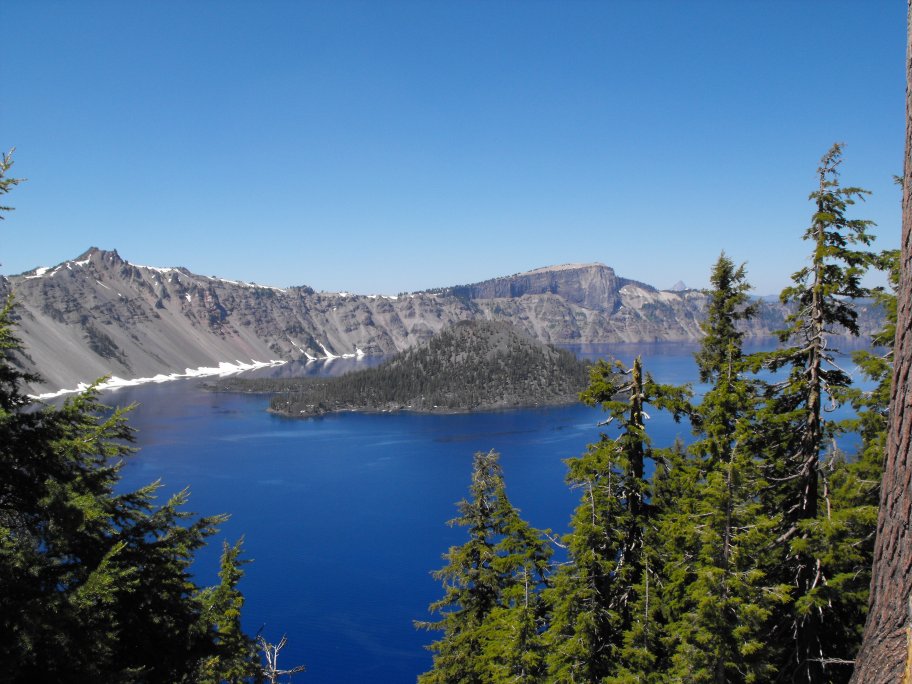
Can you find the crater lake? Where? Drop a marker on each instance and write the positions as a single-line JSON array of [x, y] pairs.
[[344, 516]]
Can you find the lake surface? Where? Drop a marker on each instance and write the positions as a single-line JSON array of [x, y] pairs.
[[344, 517]]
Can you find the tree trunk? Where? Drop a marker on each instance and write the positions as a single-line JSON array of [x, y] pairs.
[[887, 647]]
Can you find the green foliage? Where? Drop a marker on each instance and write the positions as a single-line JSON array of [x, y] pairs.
[[7, 183], [745, 556], [586, 628], [818, 537], [95, 585], [472, 365], [714, 531], [236, 660], [602, 624], [491, 612]]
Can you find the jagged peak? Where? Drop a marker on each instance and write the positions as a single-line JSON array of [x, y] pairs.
[[95, 253], [102, 257]]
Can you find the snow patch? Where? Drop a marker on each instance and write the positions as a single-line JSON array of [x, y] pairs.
[[301, 349], [102, 284], [114, 382], [40, 271], [155, 268], [329, 354], [241, 283]]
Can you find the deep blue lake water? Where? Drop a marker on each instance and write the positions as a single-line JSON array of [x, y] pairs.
[[344, 517]]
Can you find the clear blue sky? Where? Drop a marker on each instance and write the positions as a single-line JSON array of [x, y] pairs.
[[390, 146]]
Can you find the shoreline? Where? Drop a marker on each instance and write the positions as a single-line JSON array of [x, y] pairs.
[[427, 411]]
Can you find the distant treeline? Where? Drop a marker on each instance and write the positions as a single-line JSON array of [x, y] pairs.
[[472, 365]]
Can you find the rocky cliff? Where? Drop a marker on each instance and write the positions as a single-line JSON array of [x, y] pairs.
[[101, 315]]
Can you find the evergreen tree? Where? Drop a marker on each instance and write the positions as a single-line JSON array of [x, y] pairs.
[[600, 614], [854, 484], [7, 182], [718, 597], [237, 658], [871, 408], [491, 613], [95, 585], [796, 433]]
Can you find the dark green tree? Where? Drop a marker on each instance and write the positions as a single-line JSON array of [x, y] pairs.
[[237, 653], [853, 484], [585, 627], [7, 182], [871, 407], [95, 585], [797, 434], [718, 598], [490, 614], [600, 614]]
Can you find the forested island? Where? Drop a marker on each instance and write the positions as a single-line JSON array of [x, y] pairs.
[[473, 365]]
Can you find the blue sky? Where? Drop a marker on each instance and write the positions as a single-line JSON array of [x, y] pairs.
[[394, 146]]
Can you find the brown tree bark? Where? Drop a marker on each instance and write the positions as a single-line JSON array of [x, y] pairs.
[[886, 649]]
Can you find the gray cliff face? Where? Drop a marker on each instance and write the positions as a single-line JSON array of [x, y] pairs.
[[101, 315], [590, 286]]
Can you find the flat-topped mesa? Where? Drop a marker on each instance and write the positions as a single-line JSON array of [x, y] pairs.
[[592, 286]]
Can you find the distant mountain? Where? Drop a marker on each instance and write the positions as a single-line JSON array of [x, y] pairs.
[[99, 314], [472, 365]]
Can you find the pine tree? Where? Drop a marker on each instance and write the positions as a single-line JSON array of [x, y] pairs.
[[854, 483], [796, 432], [600, 614], [236, 661], [490, 612], [95, 585], [715, 531], [871, 408], [7, 182]]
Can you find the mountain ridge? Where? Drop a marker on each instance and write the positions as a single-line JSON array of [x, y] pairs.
[[100, 314]]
